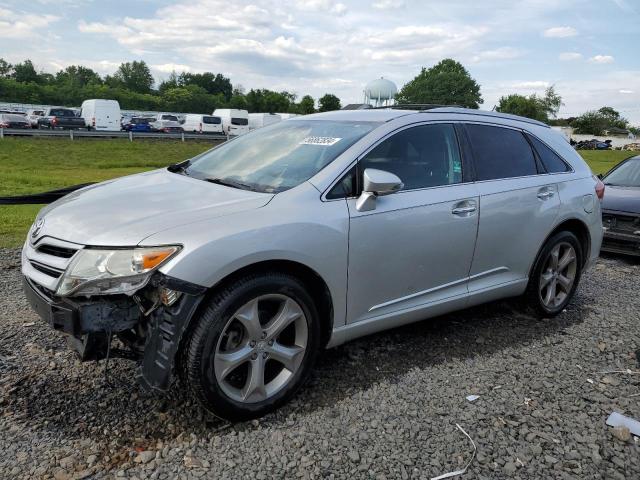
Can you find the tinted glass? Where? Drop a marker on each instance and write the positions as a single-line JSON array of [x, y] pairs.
[[211, 120], [345, 188], [278, 157], [500, 152], [424, 156], [550, 160], [240, 121], [171, 118], [61, 112], [626, 175]]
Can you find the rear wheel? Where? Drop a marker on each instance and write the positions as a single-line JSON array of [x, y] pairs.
[[556, 274], [253, 347]]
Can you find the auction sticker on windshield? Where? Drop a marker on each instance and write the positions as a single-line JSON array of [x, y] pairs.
[[326, 141]]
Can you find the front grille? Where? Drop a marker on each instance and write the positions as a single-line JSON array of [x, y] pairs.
[[52, 272], [56, 251], [46, 261], [621, 223]]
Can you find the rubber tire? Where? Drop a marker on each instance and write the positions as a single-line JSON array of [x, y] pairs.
[[532, 294], [204, 339]]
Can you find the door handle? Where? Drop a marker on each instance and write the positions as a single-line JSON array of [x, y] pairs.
[[545, 194], [464, 209]]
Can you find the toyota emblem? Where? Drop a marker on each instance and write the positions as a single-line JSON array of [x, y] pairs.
[[37, 228]]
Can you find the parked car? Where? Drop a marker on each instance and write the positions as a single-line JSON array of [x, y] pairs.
[[621, 208], [138, 124], [197, 123], [11, 120], [259, 120], [236, 268], [166, 123], [33, 116], [101, 115], [234, 121], [64, 118]]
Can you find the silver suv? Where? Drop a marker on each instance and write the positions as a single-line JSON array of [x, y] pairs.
[[236, 268]]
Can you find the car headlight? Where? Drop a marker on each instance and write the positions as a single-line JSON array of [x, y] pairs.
[[97, 271]]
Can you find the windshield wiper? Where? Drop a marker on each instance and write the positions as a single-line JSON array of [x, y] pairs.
[[231, 183], [179, 167]]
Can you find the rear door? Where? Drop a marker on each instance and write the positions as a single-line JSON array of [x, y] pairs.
[[519, 203]]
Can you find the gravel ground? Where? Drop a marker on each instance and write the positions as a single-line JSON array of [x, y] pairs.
[[385, 406]]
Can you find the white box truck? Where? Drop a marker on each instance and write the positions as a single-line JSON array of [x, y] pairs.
[[101, 115], [198, 123], [234, 121], [259, 120]]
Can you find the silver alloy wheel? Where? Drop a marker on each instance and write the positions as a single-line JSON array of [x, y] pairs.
[[261, 348], [558, 275]]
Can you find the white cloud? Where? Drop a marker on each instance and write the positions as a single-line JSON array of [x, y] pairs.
[[388, 4], [602, 59], [570, 56], [560, 32], [626, 92], [24, 26], [530, 85], [502, 53], [329, 6], [171, 67]]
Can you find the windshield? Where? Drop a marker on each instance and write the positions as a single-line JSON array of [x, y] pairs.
[[626, 175], [211, 120], [239, 121], [281, 156]]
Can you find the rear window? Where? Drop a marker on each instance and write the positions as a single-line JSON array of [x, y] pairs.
[[211, 120], [550, 160], [7, 117], [138, 121], [239, 121], [500, 152], [62, 112], [172, 118]]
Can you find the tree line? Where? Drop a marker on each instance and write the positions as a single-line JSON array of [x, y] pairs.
[[446, 83], [132, 85]]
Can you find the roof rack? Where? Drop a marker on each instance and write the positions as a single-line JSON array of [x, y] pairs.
[[416, 106]]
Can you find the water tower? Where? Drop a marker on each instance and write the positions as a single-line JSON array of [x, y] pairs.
[[380, 92]]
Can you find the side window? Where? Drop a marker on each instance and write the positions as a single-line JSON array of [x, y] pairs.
[[550, 159], [423, 156], [500, 152], [346, 187]]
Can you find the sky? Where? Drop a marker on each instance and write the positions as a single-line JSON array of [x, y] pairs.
[[588, 49]]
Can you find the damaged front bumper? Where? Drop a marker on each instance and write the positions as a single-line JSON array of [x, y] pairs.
[[91, 322]]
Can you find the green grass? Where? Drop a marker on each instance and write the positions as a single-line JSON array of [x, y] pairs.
[[601, 161], [37, 165]]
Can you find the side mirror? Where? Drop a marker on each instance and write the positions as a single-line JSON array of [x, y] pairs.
[[376, 183]]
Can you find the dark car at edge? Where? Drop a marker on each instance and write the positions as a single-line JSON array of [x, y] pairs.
[[621, 208]]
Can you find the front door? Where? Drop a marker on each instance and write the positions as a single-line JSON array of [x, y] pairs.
[[415, 248]]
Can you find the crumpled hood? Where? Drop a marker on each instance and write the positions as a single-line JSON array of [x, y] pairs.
[[622, 199], [127, 210]]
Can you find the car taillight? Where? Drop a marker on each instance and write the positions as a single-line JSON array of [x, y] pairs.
[[54, 120], [93, 121], [4, 125], [200, 127], [599, 188]]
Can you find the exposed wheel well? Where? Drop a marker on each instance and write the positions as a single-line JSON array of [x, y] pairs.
[[580, 230], [316, 287]]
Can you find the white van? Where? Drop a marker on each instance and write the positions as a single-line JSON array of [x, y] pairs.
[[234, 121], [103, 115], [259, 120], [198, 123]]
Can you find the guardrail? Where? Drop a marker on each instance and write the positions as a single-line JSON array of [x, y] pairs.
[[73, 134]]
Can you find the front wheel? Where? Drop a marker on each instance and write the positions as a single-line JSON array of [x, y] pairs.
[[555, 275], [253, 346]]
